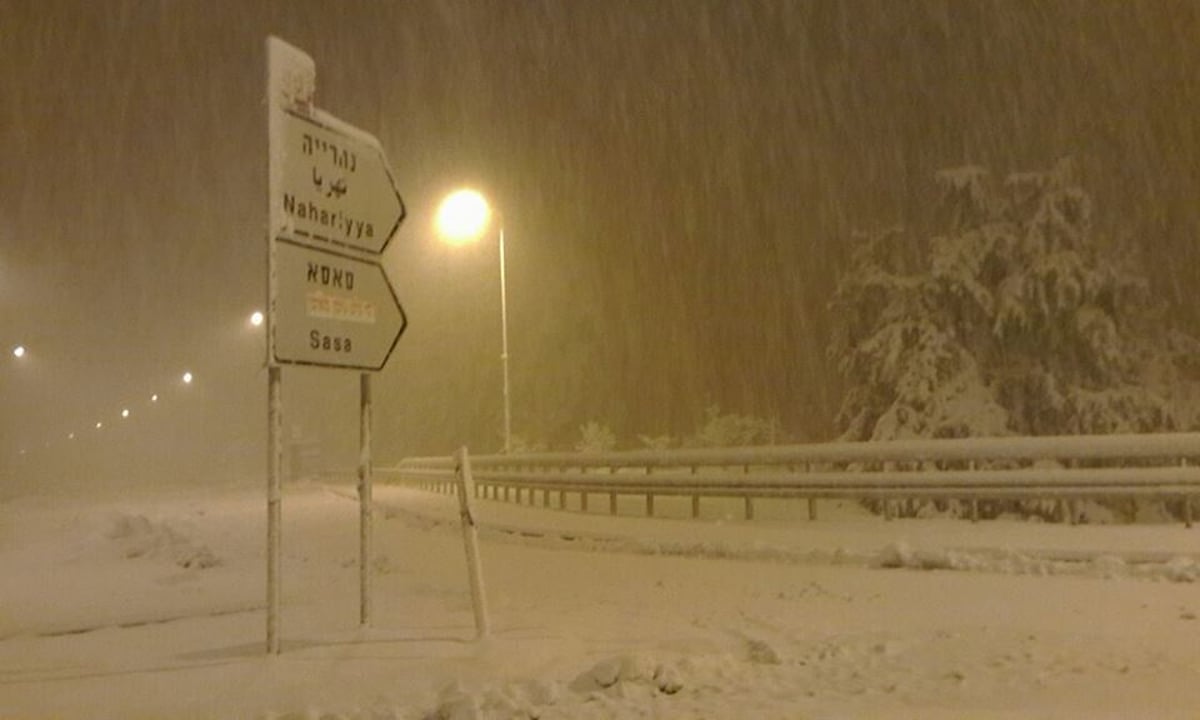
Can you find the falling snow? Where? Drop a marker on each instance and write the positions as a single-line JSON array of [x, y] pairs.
[[679, 184]]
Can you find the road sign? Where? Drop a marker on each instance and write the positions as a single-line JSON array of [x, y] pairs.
[[333, 310], [336, 185]]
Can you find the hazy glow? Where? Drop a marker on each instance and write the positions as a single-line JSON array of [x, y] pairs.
[[154, 397], [256, 318], [125, 413], [462, 217], [99, 425], [19, 351], [70, 436], [187, 378]]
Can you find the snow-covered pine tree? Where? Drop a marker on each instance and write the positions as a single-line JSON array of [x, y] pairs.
[[1014, 320]]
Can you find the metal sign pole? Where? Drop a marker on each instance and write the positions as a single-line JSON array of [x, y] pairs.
[[364, 499], [274, 502], [291, 78]]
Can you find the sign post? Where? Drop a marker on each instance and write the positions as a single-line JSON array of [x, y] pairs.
[[333, 208], [364, 500]]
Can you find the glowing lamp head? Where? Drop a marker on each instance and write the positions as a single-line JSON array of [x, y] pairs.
[[19, 351], [187, 378], [462, 217], [256, 318]]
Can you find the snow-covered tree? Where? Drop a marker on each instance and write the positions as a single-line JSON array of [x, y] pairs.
[[732, 430], [657, 442], [595, 437], [1015, 320]]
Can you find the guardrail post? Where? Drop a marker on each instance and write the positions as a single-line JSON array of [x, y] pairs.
[[749, 501], [812, 501], [695, 501], [1187, 501], [649, 497], [974, 500], [1072, 503]]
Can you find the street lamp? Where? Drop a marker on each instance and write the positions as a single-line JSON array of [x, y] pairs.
[[19, 351], [464, 217]]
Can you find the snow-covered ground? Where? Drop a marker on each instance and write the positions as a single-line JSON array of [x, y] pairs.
[[151, 606]]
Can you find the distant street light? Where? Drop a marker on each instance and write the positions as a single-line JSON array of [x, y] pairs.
[[19, 351], [256, 318], [464, 217], [187, 378], [154, 398], [125, 413], [99, 425]]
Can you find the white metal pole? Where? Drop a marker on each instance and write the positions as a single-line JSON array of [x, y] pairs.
[[364, 499], [504, 347], [466, 489], [274, 503]]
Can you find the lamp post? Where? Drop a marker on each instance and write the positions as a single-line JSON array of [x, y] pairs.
[[463, 217]]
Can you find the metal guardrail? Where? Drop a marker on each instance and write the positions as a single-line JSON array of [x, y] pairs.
[[1061, 468]]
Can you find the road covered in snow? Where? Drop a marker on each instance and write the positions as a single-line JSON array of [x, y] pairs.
[[151, 605]]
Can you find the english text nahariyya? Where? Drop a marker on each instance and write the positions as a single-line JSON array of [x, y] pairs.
[[341, 226]]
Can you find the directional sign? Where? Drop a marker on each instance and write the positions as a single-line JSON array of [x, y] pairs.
[[336, 185], [333, 310]]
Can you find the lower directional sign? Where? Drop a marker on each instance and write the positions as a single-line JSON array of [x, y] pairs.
[[332, 310]]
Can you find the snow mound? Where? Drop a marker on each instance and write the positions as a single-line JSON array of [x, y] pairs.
[[1181, 569], [1107, 566], [137, 536], [629, 685], [901, 555]]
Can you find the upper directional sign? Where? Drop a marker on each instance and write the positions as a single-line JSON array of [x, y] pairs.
[[333, 310], [337, 187]]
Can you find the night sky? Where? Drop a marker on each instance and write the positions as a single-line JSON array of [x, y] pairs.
[[678, 181]]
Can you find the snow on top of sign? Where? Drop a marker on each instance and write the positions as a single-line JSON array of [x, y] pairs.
[[292, 80], [344, 128]]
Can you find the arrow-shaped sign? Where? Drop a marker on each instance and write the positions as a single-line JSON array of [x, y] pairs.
[[333, 310], [336, 185]]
